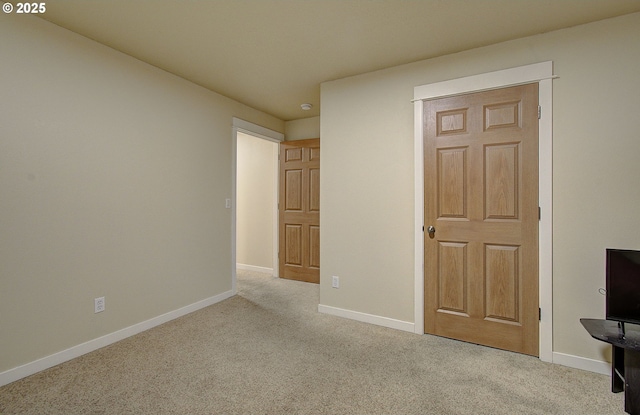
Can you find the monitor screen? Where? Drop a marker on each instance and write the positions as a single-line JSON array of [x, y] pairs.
[[623, 285]]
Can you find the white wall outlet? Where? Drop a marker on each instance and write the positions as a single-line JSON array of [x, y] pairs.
[[335, 282], [227, 203], [98, 304]]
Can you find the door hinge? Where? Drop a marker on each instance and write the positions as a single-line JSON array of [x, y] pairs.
[[539, 314], [539, 213], [539, 112]]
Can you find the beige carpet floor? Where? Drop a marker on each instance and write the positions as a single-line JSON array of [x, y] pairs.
[[268, 351]]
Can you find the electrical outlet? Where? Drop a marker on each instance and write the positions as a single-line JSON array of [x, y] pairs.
[[98, 304], [335, 282], [227, 203]]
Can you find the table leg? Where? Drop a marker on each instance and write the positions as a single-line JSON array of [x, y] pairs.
[[617, 369], [632, 381]]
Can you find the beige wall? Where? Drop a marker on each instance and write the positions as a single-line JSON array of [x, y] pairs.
[[113, 180], [302, 129], [367, 172], [257, 161]]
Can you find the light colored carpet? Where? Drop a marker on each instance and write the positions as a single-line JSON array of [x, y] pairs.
[[268, 351]]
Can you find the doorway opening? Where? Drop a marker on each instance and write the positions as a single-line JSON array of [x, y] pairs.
[[256, 204], [254, 199]]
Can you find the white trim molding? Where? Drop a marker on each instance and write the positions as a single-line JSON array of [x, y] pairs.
[[257, 130], [484, 82], [254, 268], [542, 73], [367, 318], [583, 363], [47, 362]]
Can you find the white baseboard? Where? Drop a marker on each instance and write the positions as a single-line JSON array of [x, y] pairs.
[[577, 362], [47, 362], [367, 318], [36, 366], [254, 268]]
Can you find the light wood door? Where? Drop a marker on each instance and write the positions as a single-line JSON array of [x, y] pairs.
[[299, 210], [481, 196]]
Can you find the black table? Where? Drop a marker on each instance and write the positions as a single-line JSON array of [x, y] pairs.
[[625, 365]]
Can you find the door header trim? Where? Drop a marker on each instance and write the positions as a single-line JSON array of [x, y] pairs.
[[256, 130], [484, 82]]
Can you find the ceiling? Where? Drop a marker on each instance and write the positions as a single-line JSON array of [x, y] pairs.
[[273, 54]]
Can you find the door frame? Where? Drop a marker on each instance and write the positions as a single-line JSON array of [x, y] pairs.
[[542, 73], [254, 130]]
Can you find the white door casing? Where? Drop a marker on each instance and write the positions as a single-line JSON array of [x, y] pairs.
[[543, 74]]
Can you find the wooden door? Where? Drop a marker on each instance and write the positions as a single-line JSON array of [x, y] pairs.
[[481, 196], [299, 210]]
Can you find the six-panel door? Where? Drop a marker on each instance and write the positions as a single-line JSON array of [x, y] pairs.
[[299, 210], [481, 196]]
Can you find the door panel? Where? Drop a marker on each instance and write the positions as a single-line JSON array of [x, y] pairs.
[[452, 289], [314, 246], [314, 190], [293, 190], [293, 248], [299, 210], [481, 195], [452, 182], [501, 273], [501, 184]]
